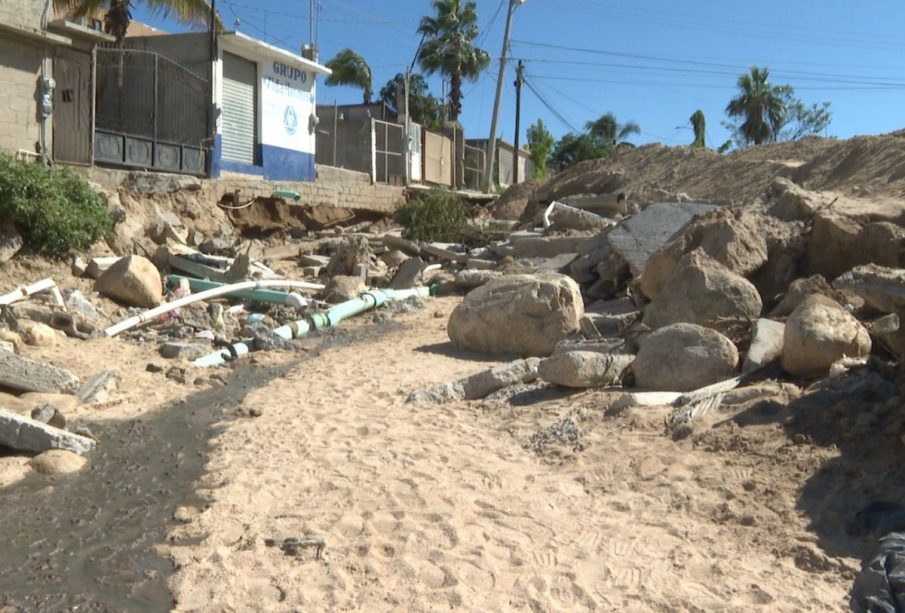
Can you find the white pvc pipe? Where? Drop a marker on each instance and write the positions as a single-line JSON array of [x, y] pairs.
[[24, 291], [206, 295]]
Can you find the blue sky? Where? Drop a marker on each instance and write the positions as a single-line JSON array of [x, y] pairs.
[[651, 61]]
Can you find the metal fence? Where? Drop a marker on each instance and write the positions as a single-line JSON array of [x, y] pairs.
[[474, 168], [388, 152], [151, 112]]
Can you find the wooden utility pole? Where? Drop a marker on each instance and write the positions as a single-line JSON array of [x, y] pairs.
[[519, 79], [491, 141]]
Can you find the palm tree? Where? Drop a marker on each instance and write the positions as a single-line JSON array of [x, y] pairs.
[[760, 105], [449, 47], [118, 13], [349, 68], [610, 132]]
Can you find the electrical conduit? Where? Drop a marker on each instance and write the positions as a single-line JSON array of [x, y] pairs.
[[318, 321]]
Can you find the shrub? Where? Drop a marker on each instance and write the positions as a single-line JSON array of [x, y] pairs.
[[437, 215], [55, 210]]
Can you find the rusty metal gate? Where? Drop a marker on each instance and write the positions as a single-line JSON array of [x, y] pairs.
[[387, 152], [151, 112]]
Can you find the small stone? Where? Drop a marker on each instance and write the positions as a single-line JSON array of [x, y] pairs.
[[155, 368], [255, 412], [11, 337], [58, 462], [50, 415], [177, 374], [186, 351], [41, 335]]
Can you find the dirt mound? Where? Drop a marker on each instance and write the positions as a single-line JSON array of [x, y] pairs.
[[871, 166]]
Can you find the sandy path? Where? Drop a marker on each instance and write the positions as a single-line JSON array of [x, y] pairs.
[[430, 508]]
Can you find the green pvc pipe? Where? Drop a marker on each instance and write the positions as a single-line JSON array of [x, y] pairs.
[[285, 193], [271, 296], [318, 321]]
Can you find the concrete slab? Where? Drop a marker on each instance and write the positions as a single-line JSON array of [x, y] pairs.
[[640, 235], [27, 375], [26, 434]]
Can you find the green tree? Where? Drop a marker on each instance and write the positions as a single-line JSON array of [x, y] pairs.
[[760, 105], [601, 139], [449, 47], [540, 145], [699, 125], [802, 120], [349, 68], [424, 107], [118, 13], [610, 132]]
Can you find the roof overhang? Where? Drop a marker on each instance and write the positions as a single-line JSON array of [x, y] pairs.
[[254, 49], [78, 30], [36, 35]]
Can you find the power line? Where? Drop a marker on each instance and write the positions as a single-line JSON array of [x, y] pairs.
[[549, 106]]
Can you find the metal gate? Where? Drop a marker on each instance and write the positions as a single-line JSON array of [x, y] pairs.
[[437, 159], [240, 78], [151, 112], [72, 103], [474, 168], [415, 172], [387, 154]]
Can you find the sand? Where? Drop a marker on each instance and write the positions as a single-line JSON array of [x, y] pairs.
[[426, 507]]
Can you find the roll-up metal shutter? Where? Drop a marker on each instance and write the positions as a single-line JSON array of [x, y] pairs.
[[240, 79]]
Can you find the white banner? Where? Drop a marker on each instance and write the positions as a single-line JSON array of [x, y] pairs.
[[287, 103]]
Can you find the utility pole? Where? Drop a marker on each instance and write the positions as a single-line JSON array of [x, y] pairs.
[[519, 79], [491, 142]]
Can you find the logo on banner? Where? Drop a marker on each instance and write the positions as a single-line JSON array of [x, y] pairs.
[[290, 121]]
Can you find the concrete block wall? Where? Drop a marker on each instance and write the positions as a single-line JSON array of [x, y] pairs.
[[20, 70], [22, 14]]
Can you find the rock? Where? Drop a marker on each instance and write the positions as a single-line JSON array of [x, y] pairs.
[[801, 289], [564, 217], [482, 384], [818, 333], [391, 241], [684, 357], [703, 292], [591, 254], [187, 351], [594, 325], [13, 338], [26, 434], [882, 289], [394, 258], [41, 335], [49, 414], [351, 253], [133, 280], [30, 376], [408, 274], [583, 369], [7, 346], [731, 238], [596, 345], [99, 387], [531, 244], [11, 241], [636, 238], [77, 302], [341, 288], [840, 241], [766, 344], [469, 279], [888, 331], [793, 202], [57, 462], [524, 315]]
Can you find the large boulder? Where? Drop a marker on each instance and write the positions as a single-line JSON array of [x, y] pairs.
[[132, 280], [703, 292], [801, 289], [524, 315], [684, 357], [342, 287], [818, 333], [732, 238], [840, 241], [584, 369]]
